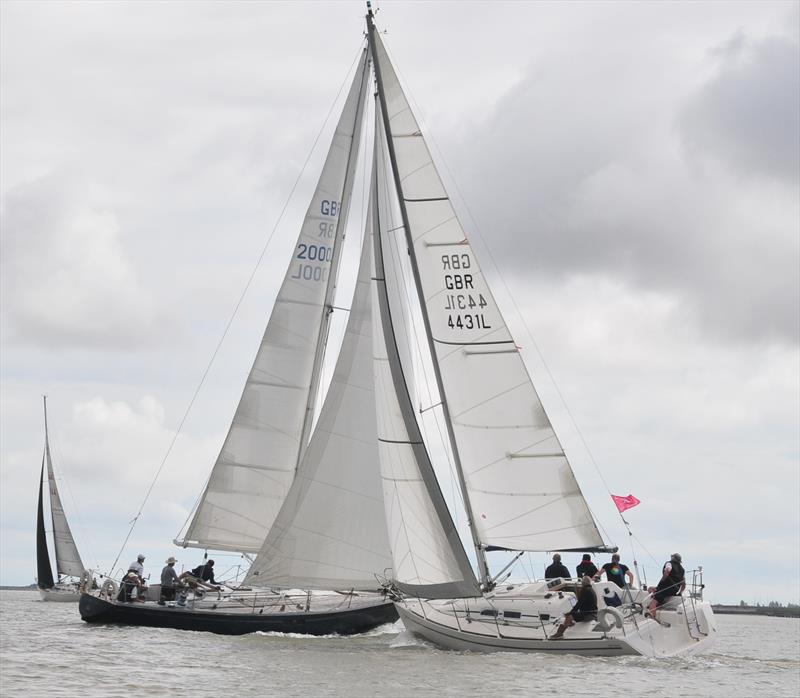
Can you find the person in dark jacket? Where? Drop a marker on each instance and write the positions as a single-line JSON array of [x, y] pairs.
[[205, 573], [556, 569], [672, 583], [587, 568], [584, 610]]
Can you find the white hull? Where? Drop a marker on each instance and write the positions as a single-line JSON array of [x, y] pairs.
[[524, 619], [66, 594]]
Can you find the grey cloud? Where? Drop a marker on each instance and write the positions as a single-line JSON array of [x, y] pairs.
[[748, 114], [571, 176], [66, 280]]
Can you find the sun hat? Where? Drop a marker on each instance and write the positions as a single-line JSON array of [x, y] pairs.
[[171, 560]]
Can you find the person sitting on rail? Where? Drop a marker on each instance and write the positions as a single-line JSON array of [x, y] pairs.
[[672, 583], [584, 610]]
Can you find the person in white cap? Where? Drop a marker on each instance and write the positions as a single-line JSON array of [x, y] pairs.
[[169, 581], [138, 568]]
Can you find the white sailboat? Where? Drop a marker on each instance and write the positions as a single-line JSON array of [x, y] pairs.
[[308, 505], [517, 486], [71, 575]]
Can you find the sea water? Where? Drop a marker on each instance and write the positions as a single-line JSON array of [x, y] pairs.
[[46, 650]]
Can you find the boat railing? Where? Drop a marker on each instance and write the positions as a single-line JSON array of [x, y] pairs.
[[696, 589]]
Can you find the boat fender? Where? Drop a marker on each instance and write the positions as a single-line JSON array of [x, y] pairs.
[[109, 589], [609, 618], [86, 581]]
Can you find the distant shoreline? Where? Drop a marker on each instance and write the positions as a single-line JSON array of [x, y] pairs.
[[31, 587], [778, 611]]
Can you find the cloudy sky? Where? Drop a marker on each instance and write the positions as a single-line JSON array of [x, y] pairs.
[[628, 173]]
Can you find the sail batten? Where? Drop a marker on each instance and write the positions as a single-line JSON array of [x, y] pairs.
[[273, 418]]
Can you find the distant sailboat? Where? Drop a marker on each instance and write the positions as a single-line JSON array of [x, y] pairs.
[[518, 489], [71, 573]]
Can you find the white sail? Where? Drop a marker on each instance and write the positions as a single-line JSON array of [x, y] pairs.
[[257, 463], [331, 531], [520, 486], [68, 560], [427, 554]]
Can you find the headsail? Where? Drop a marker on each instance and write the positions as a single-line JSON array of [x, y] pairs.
[[68, 560], [44, 571], [331, 531], [257, 463], [428, 557], [520, 487]]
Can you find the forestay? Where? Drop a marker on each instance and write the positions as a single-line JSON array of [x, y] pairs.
[[257, 463], [428, 557], [520, 486], [331, 531]]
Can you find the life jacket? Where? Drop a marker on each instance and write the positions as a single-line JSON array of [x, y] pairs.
[[674, 579], [677, 574]]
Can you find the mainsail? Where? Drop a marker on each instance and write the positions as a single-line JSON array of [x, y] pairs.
[[44, 571], [331, 531], [270, 428], [519, 489]]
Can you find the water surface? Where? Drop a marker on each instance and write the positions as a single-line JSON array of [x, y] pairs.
[[46, 650]]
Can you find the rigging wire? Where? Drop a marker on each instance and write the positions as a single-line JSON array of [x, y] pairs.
[[233, 316]]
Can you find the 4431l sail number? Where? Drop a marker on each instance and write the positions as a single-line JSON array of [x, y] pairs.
[[469, 301]]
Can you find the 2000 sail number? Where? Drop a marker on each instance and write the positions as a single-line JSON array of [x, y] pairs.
[[317, 253]]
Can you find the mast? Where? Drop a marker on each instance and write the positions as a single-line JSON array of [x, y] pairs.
[[48, 460], [330, 290], [483, 567], [44, 570]]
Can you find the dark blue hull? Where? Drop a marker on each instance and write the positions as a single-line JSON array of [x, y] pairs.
[[342, 622]]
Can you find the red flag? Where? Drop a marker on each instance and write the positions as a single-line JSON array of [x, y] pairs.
[[625, 503]]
